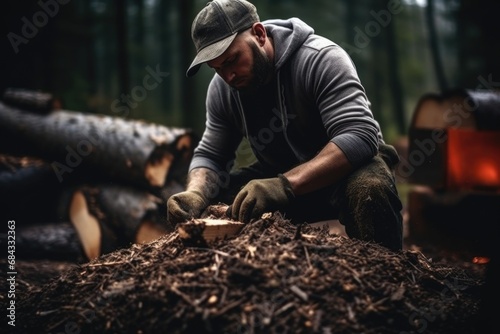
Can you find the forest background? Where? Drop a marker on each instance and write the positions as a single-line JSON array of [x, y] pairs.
[[128, 57]]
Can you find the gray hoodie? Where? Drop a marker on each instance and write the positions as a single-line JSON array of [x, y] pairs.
[[316, 97]]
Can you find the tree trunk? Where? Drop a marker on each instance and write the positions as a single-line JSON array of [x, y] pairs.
[[395, 83], [186, 55], [121, 40], [434, 46], [131, 151]]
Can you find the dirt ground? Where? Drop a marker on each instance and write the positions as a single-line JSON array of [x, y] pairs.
[[273, 277]]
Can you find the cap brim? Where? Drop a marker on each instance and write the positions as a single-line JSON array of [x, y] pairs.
[[208, 53]]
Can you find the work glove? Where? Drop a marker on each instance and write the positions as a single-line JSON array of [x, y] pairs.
[[261, 196], [185, 205]]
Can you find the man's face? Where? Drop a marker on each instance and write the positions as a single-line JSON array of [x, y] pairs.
[[244, 65]]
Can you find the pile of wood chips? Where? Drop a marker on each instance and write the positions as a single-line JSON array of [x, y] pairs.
[[274, 277]]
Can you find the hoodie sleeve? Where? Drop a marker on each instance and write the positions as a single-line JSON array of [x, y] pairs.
[[217, 147], [333, 83]]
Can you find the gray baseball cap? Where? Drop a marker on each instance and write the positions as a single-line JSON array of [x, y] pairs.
[[216, 26]]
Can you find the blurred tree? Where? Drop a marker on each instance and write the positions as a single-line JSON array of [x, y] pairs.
[[377, 74], [478, 37], [88, 41], [435, 47], [186, 54], [166, 42], [139, 22], [122, 42], [395, 85], [91, 52]]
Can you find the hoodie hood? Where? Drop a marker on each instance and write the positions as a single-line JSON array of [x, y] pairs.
[[288, 36]]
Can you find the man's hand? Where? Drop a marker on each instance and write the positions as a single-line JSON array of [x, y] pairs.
[[185, 205], [260, 196]]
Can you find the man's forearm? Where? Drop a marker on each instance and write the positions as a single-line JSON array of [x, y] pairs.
[[327, 168], [202, 180]]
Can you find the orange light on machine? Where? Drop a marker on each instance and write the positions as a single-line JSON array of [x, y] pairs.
[[480, 260], [473, 159]]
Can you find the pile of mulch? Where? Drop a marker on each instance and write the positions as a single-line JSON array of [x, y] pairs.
[[274, 277]]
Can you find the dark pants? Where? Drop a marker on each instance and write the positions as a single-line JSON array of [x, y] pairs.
[[366, 202]]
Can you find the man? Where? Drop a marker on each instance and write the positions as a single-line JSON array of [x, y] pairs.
[[298, 100]]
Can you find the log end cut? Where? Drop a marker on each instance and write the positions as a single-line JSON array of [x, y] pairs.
[[156, 172], [86, 225]]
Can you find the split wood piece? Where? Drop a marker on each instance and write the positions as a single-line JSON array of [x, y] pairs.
[[36, 101], [208, 230], [131, 151], [109, 217], [213, 224]]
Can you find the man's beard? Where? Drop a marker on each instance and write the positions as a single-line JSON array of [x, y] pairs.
[[262, 70]]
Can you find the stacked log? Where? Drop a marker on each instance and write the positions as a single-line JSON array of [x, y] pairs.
[[129, 151], [107, 176]]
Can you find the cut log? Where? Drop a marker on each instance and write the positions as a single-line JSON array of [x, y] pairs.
[[54, 241], [29, 192], [35, 101], [103, 217], [109, 217], [130, 151]]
